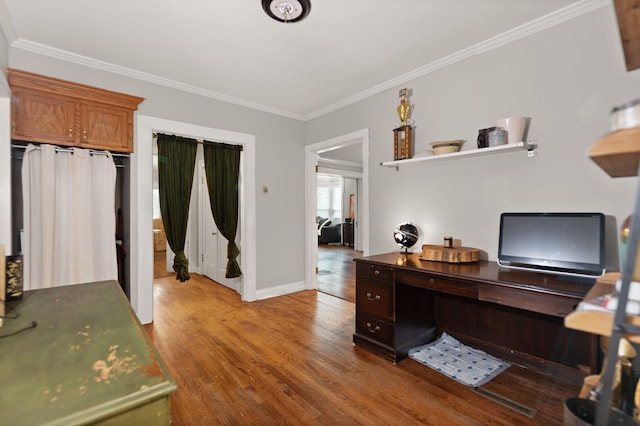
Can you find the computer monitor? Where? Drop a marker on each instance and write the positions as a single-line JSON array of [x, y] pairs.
[[557, 243]]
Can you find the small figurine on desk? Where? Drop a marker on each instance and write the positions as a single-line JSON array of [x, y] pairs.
[[406, 235]]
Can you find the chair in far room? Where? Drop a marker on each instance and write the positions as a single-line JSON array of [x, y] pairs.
[[328, 232]]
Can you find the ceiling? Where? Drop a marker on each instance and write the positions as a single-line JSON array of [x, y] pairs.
[[344, 51]]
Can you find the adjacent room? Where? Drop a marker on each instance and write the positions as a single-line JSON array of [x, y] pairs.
[[319, 212]]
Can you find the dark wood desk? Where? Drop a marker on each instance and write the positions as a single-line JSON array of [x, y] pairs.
[[403, 302], [88, 361]]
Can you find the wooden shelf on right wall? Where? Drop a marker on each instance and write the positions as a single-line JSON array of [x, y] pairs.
[[618, 153]]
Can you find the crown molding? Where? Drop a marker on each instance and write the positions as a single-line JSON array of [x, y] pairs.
[[532, 27], [540, 24], [42, 49]]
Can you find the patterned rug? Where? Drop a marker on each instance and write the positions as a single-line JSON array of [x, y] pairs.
[[466, 365]]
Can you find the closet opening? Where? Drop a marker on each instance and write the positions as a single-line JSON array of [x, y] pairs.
[[122, 209]]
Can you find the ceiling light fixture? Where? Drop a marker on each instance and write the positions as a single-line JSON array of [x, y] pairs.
[[287, 10]]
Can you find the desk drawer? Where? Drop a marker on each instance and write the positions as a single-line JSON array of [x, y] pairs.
[[374, 298], [548, 304], [375, 329], [374, 271], [436, 284]]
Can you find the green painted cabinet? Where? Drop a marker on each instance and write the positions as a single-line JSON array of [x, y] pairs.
[[87, 361]]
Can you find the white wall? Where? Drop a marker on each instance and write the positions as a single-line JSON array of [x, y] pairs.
[[280, 212], [566, 78]]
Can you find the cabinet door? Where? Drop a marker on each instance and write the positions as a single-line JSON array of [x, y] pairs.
[[38, 117], [106, 127]]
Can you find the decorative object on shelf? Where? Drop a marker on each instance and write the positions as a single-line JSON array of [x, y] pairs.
[[287, 10], [498, 137], [515, 126], [448, 242], [446, 147], [402, 142], [404, 109], [626, 116], [403, 135], [406, 235], [483, 137]]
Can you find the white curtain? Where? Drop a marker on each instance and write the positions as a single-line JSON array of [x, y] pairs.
[[69, 217]]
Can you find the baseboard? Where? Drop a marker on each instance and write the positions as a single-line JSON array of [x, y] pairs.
[[280, 290]]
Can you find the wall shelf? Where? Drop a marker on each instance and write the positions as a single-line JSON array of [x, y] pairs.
[[530, 147], [618, 153]]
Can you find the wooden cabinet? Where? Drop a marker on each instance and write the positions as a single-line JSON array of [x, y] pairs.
[[374, 298], [48, 110], [81, 358], [403, 302]]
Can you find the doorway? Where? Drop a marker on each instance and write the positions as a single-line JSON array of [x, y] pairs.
[[204, 244], [360, 138], [141, 253]]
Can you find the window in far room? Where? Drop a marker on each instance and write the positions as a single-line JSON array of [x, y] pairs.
[[330, 196]]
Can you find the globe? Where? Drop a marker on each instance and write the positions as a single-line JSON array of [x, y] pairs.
[[406, 235]]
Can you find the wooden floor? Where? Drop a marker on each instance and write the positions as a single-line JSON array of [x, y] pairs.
[[290, 360], [337, 271]]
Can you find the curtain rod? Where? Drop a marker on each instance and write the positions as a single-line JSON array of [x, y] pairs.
[[63, 149], [199, 142]]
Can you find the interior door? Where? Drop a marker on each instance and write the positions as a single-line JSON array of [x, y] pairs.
[[209, 246], [213, 245]]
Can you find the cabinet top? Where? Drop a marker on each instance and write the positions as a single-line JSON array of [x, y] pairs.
[[19, 79], [87, 359], [483, 272]]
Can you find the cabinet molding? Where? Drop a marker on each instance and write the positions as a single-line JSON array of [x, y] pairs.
[[50, 110]]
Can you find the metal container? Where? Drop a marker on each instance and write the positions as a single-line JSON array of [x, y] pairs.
[[626, 115]]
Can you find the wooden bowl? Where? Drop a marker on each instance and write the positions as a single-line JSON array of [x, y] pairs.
[[446, 147]]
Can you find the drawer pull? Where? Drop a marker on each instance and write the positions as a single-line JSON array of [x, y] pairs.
[[373, 330], [376, 272], [493, 299], [373, 299]]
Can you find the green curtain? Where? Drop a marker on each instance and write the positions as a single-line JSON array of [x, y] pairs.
[[222, 167], [176, 165]]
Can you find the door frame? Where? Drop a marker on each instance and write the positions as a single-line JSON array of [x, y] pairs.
[[141, 236], [311, 198]]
